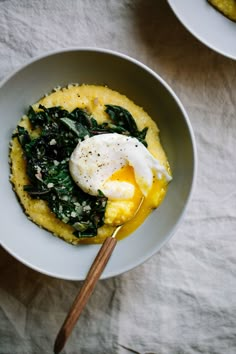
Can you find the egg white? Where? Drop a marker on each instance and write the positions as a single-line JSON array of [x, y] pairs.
[[95, 159]]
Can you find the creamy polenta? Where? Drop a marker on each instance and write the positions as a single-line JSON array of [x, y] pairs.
[[93, 99], [226, 7]]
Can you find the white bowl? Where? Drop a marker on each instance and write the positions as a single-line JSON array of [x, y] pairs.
[[37, 248], [207, 24]]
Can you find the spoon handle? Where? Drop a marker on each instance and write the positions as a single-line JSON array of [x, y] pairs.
[[82, 298]]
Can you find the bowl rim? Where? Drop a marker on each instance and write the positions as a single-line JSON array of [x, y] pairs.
[[192, 140]]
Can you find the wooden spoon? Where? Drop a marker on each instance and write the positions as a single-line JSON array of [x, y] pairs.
[[87, 288]]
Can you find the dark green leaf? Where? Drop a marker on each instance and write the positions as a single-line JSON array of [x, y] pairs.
[[125, 123], [76, 127]]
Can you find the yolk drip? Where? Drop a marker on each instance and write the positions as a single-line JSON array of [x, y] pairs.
[[126, 174], [120, 211], [124, 211], [153, 199]]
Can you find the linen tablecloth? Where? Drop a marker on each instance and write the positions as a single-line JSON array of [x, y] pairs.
[[183, 300]]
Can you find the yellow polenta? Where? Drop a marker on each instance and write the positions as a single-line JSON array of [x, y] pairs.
[[227, 7], [93, 99]]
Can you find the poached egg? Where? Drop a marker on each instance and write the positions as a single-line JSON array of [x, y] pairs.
[[121, 167]]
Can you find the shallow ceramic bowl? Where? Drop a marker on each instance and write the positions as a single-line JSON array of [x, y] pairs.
[[37, 248], [207, 24]]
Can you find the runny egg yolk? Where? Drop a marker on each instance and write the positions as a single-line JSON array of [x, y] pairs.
[[134, 211], [119, 211], [140, 211]]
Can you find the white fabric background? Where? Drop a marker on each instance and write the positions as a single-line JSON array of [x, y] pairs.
[[183, 300]]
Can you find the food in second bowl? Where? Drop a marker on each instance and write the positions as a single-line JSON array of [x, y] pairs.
[[83, 158], [226, 7]]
